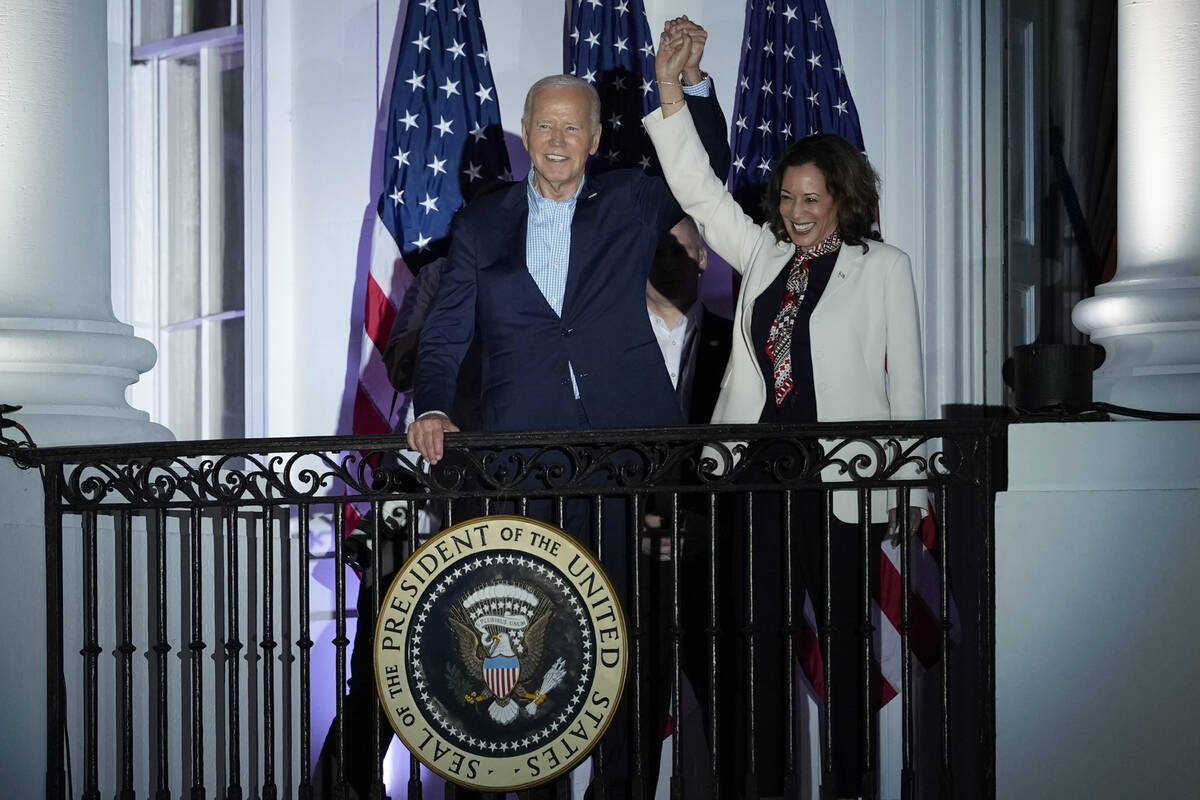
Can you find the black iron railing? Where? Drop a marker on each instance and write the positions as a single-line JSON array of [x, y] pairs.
[[202, 553]]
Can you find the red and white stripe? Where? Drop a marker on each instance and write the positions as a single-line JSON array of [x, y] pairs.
[[376, 407]]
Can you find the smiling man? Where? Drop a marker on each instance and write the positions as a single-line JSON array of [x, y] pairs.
[[548, 275]]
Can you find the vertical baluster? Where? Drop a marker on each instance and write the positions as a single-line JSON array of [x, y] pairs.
[[637, 612], [676, 656], [749, 620], [233, 648], [161, 648], [376, 724], [56, 701], [789, 652], [827, 778], [908, 729], [305, 643], [270, 790], [599, 780], [91, 654], [125, 649], [867, 640], [196, 653], [339, 642], [414, 765], [713, 633], [942, 531]]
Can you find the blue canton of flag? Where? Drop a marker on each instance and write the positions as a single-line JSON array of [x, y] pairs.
[[444, 138], [608, 44], [791, 85]]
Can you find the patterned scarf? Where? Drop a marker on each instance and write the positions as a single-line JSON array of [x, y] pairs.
[[779, 340]]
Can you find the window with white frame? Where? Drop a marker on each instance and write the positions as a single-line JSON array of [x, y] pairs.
[[185, 181]]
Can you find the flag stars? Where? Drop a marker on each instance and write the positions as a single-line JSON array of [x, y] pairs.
[[461, 10], [487, 60], [765, 127], [840, 106], [745, 83], [456, 50], [618, 83], [589, 76], [789, 53], [429, 5], [613, 156], [401, 157], [444, 125], [764, 166], [644, 163], [741, 123], [422, 42], [484, 93], [766, 88], [814, 99], [575, 35], [739, 163], [409, 120], [790, 13], [593, 39], [621, 45], [422, 243], [814, 61], [397, 196], [615, 121], [646, 88], [787, 91], [449, 87], [473, 172], [839, 71], [647, 50], [622, 7], [416, 81], [815, 22], [478, 132], [438, 165], [769, 47], [787, 130], [595, 3]]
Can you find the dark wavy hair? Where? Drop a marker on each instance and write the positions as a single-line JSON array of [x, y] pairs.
[[849, 177]]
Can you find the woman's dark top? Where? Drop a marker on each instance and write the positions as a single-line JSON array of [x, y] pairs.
[[800, 405]]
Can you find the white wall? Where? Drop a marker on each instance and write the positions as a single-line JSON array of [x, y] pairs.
[[1096, 621], [912, 68]]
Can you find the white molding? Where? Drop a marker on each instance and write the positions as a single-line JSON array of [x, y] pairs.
[[254, 144], [189, 44]]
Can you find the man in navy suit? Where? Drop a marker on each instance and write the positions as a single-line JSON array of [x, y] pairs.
[[548, 275]]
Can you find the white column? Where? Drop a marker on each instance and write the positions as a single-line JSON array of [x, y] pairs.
[[1148, 317], [63, 355]]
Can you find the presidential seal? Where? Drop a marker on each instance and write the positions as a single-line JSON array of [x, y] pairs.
[[500, 653]]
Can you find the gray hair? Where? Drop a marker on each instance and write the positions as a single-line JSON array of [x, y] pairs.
[[564, 82]]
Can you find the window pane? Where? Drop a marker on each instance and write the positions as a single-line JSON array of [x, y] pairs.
[[181, 188], [183, 381], [210, 14], [225, 291], [226, 379]]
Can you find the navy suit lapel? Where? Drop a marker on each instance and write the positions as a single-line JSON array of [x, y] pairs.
[[583, 239]]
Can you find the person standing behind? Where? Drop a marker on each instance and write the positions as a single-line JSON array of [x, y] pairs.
[[826, 329]]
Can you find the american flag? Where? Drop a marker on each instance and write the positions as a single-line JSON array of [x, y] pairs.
[[608, 44], [444, 142], [791, 84]]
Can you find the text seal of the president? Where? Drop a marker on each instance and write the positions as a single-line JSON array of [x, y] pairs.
[[500, 653]]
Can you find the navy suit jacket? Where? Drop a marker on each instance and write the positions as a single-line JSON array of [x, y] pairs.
[[486, 292]]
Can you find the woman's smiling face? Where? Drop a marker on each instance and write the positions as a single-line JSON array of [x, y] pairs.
[[808, 209]]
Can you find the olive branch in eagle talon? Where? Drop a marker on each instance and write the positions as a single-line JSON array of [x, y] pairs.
[[500, 629]]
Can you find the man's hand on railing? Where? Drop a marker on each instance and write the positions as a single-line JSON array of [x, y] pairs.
[[426, 434]]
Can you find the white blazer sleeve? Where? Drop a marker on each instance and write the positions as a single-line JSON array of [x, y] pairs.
[[725, 227]]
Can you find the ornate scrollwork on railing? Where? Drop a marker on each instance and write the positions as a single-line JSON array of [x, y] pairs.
[[696, 458]]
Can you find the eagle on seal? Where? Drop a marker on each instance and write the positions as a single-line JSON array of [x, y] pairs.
[[500, 629]]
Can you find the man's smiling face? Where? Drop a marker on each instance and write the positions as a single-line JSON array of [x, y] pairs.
[[559, 136]]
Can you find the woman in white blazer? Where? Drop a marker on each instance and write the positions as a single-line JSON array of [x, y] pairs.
[[825, 329]]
